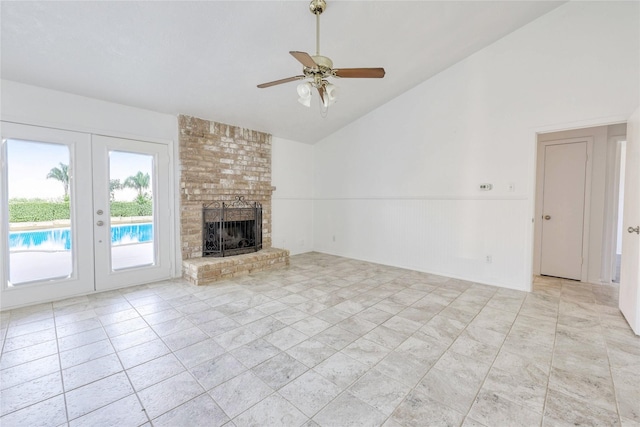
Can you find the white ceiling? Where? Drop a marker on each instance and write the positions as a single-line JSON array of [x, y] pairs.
[[205, 58]]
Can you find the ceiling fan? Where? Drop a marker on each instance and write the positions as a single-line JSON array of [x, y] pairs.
[[317, 69]]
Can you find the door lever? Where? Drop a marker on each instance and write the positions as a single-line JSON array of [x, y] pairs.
[[634, 230]]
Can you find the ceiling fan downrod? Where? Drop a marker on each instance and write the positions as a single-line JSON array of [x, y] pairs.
[[317, 7]]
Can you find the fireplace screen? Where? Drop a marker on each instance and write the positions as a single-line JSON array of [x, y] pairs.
[[231, 228]]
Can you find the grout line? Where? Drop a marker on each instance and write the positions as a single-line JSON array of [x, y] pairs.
[[64, 393], [606, 344]]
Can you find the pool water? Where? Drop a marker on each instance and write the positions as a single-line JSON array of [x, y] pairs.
[[60, 238]]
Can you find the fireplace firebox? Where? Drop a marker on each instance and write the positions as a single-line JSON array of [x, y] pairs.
[[231, 228]]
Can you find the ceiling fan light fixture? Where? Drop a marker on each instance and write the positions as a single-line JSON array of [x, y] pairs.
[[331, 92], [304, 93]]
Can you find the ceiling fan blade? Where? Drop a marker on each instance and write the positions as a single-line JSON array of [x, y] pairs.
[[369, 73], [279, 82], [304, 58], [321, 92]]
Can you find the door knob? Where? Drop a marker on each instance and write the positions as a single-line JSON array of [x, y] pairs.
[[547, 217], [100, 223], [634, 230]]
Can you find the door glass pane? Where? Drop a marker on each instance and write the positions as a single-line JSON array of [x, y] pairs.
[[131, 195], [40, 230]]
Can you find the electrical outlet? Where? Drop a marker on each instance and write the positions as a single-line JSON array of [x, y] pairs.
[[486, 187], [489, 259], [511, 187]]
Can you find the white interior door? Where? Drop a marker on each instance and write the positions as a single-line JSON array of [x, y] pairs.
[[565, 167], [46, 247], [67, 228], [630, 269], [129, 246]]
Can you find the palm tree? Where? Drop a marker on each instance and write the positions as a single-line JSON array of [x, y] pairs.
[[61, 174], [139, 182], [114, 185]]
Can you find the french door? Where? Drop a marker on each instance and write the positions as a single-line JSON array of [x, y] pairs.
[[80, 213]]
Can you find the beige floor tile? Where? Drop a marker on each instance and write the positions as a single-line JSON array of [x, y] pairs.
[[42, 414], [418, 410], [29, 371], [492, 409], [349, 410], [279, 370], [587, 386], [91, 371], [343, 342], [311, 352], [168, 394], [341, 369], [200, 411], [561, 409], [100, 393], [239, 394], [126, 411], [216, 371], [273, 411], [24, 394], [154, 371], [379, 391], [310, 392]]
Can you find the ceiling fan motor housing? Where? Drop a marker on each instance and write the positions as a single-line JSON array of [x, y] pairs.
[[324, 63], [322, 69]]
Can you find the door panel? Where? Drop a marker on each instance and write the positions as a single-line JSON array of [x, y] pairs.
[[563, 210], [46, 249], [129, 250], [630, 270]]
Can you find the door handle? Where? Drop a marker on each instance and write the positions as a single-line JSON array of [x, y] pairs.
[[547, 217], [100, 223], [634, 230]]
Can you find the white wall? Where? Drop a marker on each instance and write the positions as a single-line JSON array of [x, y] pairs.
[[292, 202], [400, 185], [37, 106]]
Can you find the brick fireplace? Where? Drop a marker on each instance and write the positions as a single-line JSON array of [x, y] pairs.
[[219, 163]]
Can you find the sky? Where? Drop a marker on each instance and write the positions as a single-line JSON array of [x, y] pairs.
[[30, 162]]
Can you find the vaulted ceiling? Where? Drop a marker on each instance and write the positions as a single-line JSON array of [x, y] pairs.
[[205, 58]]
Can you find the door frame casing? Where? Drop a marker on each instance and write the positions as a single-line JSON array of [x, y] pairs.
[[611, 211], [539, 193]]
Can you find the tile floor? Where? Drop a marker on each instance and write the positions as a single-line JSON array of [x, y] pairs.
[[329, 342]]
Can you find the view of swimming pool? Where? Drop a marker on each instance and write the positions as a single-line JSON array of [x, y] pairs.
[[59, 239]]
